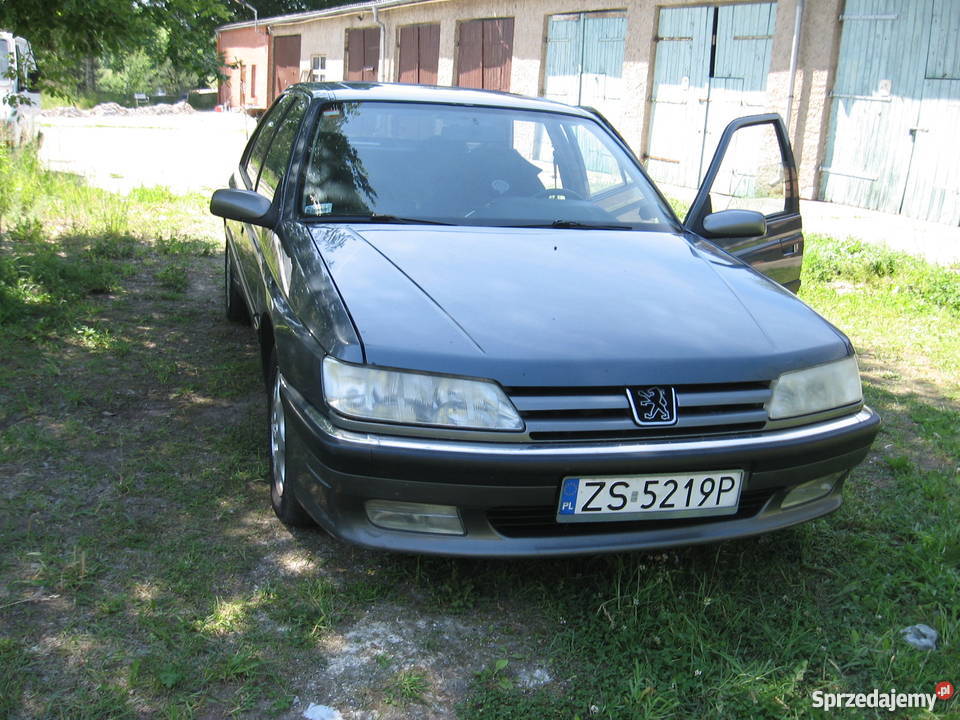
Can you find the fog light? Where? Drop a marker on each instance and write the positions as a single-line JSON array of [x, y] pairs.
[[417, 517], [809, 491]]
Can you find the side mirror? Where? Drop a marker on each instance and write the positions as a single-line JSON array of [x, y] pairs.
[[734, 224], [243, 205], [33, 78]]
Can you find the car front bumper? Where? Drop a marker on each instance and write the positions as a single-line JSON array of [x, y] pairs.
[[507, 493]]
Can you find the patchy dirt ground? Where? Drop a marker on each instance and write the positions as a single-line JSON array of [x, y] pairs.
[[193, 152], [143, 564]]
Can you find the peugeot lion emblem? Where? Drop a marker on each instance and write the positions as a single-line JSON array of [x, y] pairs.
[[655, 405]]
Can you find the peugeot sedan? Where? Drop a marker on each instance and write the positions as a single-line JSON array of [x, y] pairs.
[[485, 332]]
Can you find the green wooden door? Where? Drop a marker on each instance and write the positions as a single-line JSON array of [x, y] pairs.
[[893, 143], [711, 67]]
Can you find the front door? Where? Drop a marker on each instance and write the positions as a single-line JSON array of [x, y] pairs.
[[754, 169], [286, 62]]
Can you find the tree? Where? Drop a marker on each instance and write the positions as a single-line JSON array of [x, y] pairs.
[[65, 33], [70, 37], [272, 8]]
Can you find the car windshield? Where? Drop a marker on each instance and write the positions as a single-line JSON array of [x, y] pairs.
[[410, 162]]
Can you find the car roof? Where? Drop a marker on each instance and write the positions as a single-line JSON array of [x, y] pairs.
[[399, 92]]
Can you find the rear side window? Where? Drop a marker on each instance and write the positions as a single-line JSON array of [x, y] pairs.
[[261, 143], [26, 65], [4, 58], [278, 156]]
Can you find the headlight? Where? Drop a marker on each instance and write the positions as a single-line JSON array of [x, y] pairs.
[[823, 387], [412, 398]]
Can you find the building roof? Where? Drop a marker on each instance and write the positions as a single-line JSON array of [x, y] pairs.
[[308, 15], [399, 92]]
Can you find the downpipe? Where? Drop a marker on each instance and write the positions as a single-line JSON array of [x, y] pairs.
[[794, 57], [383, 41]]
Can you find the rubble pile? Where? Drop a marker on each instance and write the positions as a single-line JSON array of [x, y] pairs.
[[112, 109]]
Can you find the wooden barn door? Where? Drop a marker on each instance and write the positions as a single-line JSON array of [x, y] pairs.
[[419, 54], [286, 62], [363, 54], [485, 50]]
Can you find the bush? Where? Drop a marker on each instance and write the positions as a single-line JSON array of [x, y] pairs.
[[20, 182], [829, 260]]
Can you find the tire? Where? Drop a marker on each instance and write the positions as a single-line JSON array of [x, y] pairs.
[[234, 304], [282, 497]]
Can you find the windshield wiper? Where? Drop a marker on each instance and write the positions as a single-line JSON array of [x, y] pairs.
[[377, 218], [577, 225]]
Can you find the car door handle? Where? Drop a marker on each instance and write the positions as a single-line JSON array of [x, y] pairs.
[[792, 249]]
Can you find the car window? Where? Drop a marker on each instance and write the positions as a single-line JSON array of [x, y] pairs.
[[474, 166], [751, 175], [278, 156], [4, 58], [261, 141]]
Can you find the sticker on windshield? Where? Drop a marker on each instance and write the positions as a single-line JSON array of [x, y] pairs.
[[333, 112], [318, 209]]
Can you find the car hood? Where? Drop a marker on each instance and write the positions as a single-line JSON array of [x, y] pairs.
[[568, 306]]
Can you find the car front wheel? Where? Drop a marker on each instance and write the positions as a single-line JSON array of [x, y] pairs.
[[282, 497]]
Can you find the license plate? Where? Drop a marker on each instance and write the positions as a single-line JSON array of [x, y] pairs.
[[676, 495]]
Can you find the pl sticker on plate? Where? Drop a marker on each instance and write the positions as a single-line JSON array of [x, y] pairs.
[[568, 496]]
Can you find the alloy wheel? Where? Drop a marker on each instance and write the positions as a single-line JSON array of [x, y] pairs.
[[278, 440]]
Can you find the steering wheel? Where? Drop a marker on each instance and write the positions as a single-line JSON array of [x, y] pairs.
[[559, 193]]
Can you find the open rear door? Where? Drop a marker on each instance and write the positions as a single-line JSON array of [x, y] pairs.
[[753, 169]]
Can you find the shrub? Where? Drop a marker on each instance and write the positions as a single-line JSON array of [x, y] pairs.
[[829, 260]]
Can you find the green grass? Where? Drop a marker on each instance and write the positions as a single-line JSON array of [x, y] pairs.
[[66, 242], [142, 573], [405, 687]]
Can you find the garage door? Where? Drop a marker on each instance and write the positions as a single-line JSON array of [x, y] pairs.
[[484, 53], [363, 54], [711, 67], [585, 60], [893, 143], [419, 54], [286, 62]]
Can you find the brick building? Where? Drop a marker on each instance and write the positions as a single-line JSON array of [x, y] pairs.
[[870, 88]]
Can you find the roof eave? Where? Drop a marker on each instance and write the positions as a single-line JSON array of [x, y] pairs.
[[309, 15]]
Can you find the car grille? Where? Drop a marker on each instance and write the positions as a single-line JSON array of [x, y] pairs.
[[540, 520], [600, 413]]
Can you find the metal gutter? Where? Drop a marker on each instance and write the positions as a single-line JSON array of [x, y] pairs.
[[256, 15], [794, 57], [297, 18]]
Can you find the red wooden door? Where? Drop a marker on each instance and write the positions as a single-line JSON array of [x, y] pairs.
[[286, 62], [419, 54], [497, 53], [485, 53], [363, 54]]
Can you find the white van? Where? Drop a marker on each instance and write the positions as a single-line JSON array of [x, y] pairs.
[[19, 90]]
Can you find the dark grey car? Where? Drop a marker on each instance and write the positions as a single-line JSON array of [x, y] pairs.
[[485, 332]]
